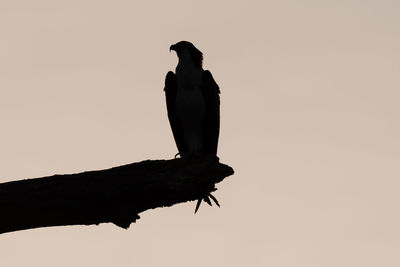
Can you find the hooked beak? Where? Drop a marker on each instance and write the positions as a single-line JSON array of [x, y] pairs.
[[172, 47]]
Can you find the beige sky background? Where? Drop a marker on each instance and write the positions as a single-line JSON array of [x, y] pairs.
[[310, 123]]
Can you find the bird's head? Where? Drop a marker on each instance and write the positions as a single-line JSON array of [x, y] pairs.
[[183, 47]]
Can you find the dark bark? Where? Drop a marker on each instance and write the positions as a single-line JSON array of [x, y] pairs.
[[114, 195]]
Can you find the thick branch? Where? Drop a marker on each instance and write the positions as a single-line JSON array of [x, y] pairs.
[[114, 195]]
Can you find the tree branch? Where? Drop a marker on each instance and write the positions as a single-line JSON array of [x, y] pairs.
[[114, 195]]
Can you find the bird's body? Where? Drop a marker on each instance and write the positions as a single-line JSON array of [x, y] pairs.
[[192, 103]]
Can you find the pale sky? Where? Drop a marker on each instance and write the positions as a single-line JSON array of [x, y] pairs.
[[310, 123]]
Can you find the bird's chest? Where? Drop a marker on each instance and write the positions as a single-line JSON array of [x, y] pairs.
[[188, 77], [190, 104]]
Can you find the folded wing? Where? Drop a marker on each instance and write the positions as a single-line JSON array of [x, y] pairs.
[[211, 92], [170, 96]]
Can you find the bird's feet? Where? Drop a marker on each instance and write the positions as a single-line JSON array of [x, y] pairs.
[[206, 198]]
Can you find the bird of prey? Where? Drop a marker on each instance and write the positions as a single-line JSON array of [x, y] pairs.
[[192, 97]]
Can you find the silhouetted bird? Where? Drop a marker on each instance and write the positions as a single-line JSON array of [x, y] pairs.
[[192, 98]]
